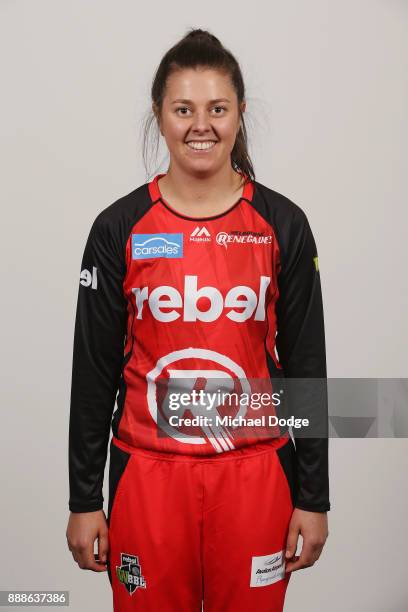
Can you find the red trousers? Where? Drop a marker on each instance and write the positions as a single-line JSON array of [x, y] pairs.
[[187, 531]]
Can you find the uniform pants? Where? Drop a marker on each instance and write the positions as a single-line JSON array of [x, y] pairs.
[[188, 533]]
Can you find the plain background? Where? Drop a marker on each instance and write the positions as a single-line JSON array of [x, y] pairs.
[[327, 118]]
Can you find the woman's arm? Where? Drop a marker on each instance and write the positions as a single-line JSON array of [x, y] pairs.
[[100, 329], [300, 342]]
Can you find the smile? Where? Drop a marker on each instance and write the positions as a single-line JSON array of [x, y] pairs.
[[201, 146]]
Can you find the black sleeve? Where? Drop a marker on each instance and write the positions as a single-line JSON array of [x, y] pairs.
[[99, 337], [300, 342]]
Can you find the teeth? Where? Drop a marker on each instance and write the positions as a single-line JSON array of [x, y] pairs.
[[201, 145]]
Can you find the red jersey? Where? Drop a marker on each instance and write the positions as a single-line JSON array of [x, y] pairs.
[[168, 304]]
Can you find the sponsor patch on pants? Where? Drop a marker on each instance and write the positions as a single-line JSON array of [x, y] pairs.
[[267, 569], [129, 573]]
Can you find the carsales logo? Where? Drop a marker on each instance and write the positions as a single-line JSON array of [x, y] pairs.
[[153, 246]]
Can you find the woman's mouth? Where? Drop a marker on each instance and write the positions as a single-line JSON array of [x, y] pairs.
[[201, 145]]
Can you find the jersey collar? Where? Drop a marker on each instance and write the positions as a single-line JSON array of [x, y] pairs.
[[155, 194]]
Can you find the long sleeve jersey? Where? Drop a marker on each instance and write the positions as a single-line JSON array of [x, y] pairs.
[[164, 297]]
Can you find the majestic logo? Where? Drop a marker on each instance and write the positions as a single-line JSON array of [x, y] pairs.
[[316, 262], [87, 279], [200, 235], [185, 370], [165, 297], [153, 246], [129, 573], [242, 237]]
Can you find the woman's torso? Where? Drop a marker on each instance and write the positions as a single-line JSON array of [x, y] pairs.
[[201, 296]]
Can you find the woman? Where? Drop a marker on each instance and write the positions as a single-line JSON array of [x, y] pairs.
[[185, 283]]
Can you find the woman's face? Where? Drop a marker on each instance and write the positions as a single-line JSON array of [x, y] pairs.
[[200, 119]]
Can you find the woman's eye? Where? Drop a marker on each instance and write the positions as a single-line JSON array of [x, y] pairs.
[[182, 108]]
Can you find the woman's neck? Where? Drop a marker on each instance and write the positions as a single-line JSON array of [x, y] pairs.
[[200, 197]]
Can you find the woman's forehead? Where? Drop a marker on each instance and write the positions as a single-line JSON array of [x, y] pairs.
[[195, 84]]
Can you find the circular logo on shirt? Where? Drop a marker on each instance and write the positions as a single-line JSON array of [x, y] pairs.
[[187, 389]]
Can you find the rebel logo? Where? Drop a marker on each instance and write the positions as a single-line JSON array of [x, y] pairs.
[[89, 279], [206, 304]]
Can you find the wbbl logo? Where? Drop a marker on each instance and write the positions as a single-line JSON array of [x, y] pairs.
[[153, 246], [129, 573]]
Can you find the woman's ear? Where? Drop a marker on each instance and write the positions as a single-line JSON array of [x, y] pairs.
[[157, 115], [242, 108], [239, 126]]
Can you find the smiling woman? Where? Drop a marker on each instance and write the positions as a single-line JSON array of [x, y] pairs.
[[200, 132], [202, 279], [198, 103]]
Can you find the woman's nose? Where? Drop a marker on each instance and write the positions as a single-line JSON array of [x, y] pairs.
[[201, 121]]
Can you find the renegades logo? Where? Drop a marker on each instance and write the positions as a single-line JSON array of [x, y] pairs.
[[242, 237], [185, 305], [129, 573]]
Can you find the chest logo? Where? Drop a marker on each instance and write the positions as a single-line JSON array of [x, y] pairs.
[[153, 246], [242, 237], [167, 304], [200, 234]]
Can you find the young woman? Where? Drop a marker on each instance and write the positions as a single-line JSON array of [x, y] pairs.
[[188, 285]]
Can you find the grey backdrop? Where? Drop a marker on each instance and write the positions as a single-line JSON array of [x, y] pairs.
[[327, 114]]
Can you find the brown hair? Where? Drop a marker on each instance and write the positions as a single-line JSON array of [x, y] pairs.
[[200, 48]]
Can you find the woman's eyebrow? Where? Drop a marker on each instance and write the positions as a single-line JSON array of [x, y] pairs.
[[185, 101]]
